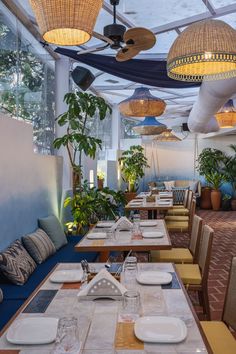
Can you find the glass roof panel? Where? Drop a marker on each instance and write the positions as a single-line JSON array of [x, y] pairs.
[[230, 19], [220, 3], [152, 13], [163, 43]]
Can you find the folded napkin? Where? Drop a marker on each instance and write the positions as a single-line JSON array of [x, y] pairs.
[[122, 223], [102, 285]]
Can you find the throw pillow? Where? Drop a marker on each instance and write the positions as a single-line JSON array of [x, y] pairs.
[[178, 194], [193, 185], [16, 263], [169, 185], [51, 225], [39, 245], [1, 296], [160, 185]]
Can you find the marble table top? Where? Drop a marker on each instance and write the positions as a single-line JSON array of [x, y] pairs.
[[140, 204], [99, 321]]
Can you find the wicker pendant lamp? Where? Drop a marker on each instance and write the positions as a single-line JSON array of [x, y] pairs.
[[66, 22], [226, 117], [205, 49], [167, 136], [149, 126], [141, 104]]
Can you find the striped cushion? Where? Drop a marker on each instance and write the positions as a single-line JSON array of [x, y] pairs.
[[39, 245], [1, 295], [16, 263], [178, 194]]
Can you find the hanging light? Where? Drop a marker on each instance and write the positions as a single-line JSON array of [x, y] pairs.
[[205, 49], [69, 22], [167, 136], [226, 117], [141, 104], [149, 126]]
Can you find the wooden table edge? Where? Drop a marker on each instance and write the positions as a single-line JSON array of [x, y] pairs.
[[121, 248]]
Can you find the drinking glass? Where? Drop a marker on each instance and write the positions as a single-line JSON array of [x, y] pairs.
[[130, 308], [67, 340], [136, 231], [130, 272], [110, 234]]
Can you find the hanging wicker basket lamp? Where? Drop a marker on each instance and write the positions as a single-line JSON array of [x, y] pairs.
[[226, 117], [167, 136], [149, 126], [66, 22], [205, 49], [141, 104]]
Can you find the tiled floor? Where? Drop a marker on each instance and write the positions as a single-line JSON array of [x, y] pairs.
[[224, 247]]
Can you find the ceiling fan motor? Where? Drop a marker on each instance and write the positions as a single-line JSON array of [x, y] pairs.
[[116, 33]]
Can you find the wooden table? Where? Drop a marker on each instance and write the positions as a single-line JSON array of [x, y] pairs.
[[153, 207], [101, 331], [125, 242]]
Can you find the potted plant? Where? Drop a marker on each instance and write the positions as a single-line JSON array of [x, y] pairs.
[[230, 172], [215, 179], [226, 202], [100, 179], [208, 162], [133, 162]]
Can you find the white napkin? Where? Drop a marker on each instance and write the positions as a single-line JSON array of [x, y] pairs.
[[102, 285], [122, 223]]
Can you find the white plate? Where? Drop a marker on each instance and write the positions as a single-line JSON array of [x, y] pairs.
[[67, 276], [160, 329], [33, 330], [154, 278], [96, 235], [152, 234], [148, 223], [105, 224], [135, 203]]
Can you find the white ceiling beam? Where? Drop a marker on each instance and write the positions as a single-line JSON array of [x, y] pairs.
[[210, 6], [119, 15], [192, 19]]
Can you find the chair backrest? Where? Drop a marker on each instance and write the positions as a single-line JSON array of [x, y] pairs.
[[191, 215], [190, 197], [205, 252], [195, 237], [229, 312], [185, 202]]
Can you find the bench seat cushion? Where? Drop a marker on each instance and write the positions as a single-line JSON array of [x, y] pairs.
[[7, 309]]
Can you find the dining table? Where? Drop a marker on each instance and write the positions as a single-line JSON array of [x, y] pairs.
[[101, 327], [159, 206], [154, 236]]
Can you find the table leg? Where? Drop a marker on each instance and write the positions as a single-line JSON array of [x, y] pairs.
[[103, 256]]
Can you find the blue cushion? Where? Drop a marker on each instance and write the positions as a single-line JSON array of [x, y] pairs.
[[52, 226], [64, 255], [178, 194], [7, 309]]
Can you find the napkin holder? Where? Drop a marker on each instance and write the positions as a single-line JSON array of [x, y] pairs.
[[122, 224], [103, 285]]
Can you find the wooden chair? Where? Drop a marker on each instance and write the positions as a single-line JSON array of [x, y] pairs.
[[182, 255], [180, 223], [218, 334], [182, 209], [195, 276]]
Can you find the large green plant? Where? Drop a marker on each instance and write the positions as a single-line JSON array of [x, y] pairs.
[[78, 119], [230, 168], [215, 179], [209, 163], [133, 162]]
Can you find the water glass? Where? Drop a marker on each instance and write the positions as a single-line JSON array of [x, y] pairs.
[[130, 272], [136, 231], [67, 340], [130, 308], [144, 200], [110, 234]]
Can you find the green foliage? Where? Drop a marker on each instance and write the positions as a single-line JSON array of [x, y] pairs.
[[226, 197], [215, 179], [132, 164], [210, 161], [230, 168]]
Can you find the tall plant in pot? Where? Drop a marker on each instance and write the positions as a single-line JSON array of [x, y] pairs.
[[215, 180], [230, 172], [133, 162]]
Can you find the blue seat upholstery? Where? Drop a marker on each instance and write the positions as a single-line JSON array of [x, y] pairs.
[[17, 294]]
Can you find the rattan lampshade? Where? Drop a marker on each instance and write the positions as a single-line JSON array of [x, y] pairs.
[[149, 126], [66, 22], [205, 49], [167, 136], [141, 104], [226, 117]]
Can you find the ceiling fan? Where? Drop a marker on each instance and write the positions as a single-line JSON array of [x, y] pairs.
[[128, 43]]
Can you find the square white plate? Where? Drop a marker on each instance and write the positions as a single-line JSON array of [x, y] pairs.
[[154, 277], [96, 235], [160, 329], [33, 330], [67, 276], [164, 201], [105, 224], [148, 223], [152, 234]]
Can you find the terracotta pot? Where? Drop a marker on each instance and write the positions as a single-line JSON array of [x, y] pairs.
[[129, 196], [100, 183], [233, 204], [205, 202], [215, 199]]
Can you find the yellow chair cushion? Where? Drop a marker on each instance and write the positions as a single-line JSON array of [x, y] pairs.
[[177, 206], [175, 255], [180, 226], [180, 211], [219, 337], [189, 273], [176, 218]]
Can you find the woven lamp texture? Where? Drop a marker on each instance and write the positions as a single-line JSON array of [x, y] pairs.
[[226, 117], [141, 104], [66, 22], [150, 126], [167, 136], [205, 49]]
